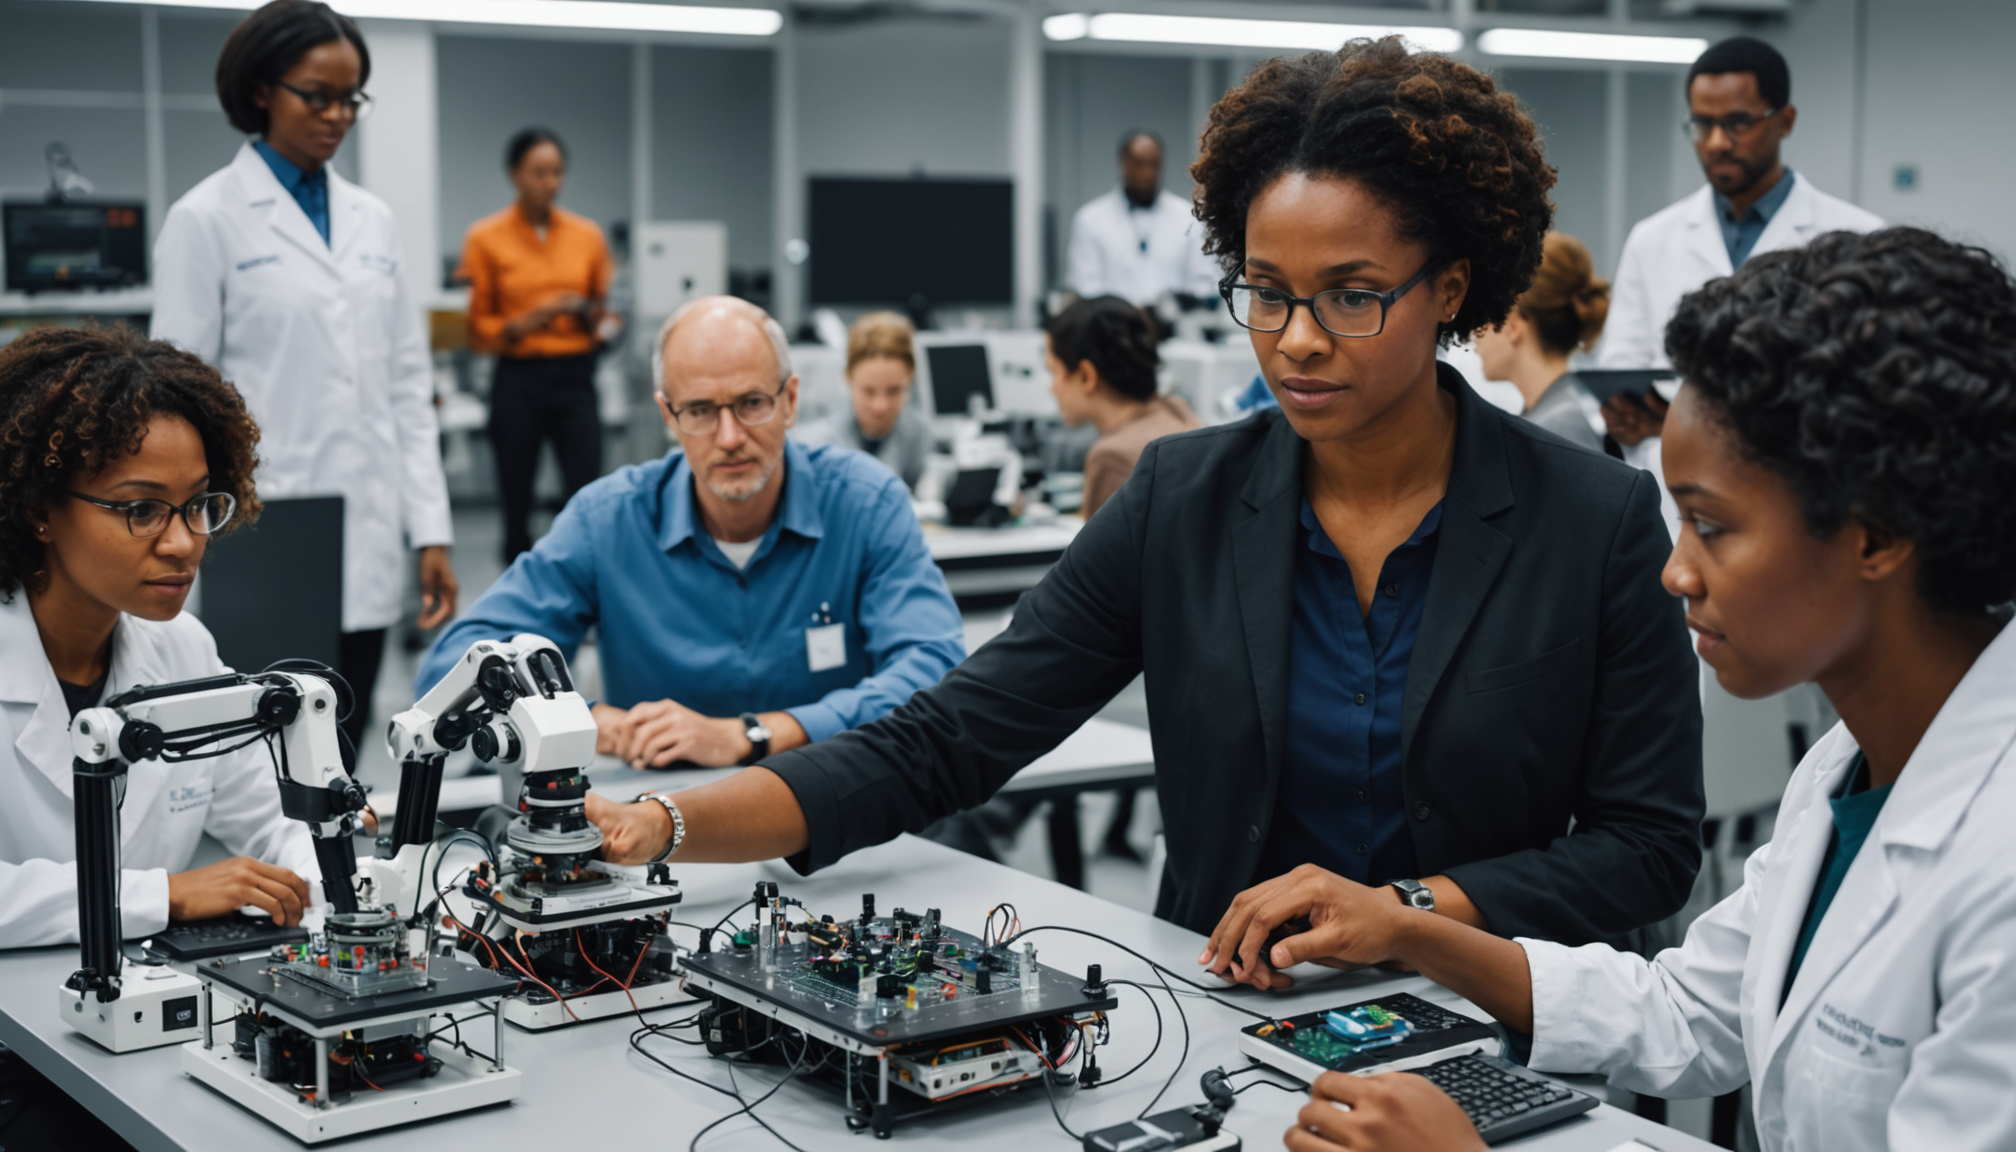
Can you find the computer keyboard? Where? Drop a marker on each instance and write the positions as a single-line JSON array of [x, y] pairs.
[[234, 935], [1503, 1099]]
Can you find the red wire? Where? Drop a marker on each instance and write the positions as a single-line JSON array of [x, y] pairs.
[[626, 988], [562, 1000]]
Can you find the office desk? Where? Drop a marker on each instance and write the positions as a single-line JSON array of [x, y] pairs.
[[995, 565], [584, 1083]]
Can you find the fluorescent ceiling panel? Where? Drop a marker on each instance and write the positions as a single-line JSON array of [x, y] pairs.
[[1592, 46], [1220, 32], [604, 15]]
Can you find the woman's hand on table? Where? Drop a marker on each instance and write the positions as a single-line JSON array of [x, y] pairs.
[[1347, 926]]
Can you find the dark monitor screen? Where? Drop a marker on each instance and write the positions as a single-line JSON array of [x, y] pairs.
[[887, 241], [958, 371], [51, 246]]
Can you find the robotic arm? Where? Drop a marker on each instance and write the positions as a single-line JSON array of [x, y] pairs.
[[193, 720]]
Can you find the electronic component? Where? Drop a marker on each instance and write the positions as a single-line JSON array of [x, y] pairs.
[[1390, 1034], [583, 937], [1182, 1128], [874, 1000], [1503, 1099]]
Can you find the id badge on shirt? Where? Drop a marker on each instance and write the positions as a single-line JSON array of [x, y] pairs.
[[825, 643]]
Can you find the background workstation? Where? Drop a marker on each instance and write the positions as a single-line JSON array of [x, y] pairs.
[[729, 151]]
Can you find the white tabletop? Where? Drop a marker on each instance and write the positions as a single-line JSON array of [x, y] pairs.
[[1002, 544], [584, 1081]]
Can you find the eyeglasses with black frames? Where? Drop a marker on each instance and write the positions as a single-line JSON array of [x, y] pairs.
[[203, 514], [1353, 313]]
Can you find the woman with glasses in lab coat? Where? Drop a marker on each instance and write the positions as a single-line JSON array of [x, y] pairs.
[[1843, 455], [291, 281]]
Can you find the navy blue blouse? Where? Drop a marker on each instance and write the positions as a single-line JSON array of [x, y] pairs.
[[1340, 805]]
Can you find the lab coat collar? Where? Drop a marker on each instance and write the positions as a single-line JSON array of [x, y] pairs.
[[797, 513], [263, 190], [346, 215], [1704, 232], [1796, 221], [1953, 761], [27, 678]]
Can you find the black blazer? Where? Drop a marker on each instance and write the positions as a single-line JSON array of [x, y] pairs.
[[1551, 730]]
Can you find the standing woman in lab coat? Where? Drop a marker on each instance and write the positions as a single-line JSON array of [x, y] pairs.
[[1843, 455], [291, 281]]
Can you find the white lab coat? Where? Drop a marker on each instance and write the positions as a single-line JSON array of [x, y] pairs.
[[1679, 248], [168, 807], [327, 348], [1139, 254], [1900, 1031]]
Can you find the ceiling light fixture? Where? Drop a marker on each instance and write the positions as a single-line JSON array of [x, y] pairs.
[[1591, 46], [602, 15], [1222, 32]]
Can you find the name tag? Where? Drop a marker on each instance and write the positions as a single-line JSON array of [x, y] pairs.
[[826, 647]]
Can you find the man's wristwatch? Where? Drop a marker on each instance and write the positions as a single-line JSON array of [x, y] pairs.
[[678, 826], [759, 738], [1415, 894]]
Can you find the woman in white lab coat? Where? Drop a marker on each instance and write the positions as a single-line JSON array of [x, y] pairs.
[[122, 457], [1843, 456], [291, 280]]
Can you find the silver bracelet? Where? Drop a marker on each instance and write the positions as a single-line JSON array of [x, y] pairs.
[[678, 826]]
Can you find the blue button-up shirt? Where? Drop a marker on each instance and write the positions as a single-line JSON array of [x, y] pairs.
[[677, 620], [309, 189], [1341, 804], [1740, 234]]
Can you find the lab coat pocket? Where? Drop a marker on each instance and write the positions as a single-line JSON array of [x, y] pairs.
[[1849, 1085]]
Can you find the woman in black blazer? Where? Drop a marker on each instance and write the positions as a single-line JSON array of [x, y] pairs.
[[1389, 632]]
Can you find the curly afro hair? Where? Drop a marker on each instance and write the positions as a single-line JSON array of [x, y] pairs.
[[1877, 375], [1454, 158], [73, 400]]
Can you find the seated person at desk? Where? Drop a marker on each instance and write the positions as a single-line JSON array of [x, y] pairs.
[[125, 457], [881, 367], [1101, 356], [1841, 457], [1387, 628], [1561, 313], [751, 594]]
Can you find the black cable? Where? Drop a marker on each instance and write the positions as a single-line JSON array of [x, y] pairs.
[[1270, 1084], [1050, 1089], [749, 1106], [1153, 1049], [636, 1043], [732, 912], [1206, 989]]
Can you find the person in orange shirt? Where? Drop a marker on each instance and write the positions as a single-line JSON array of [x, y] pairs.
[[537, 277]]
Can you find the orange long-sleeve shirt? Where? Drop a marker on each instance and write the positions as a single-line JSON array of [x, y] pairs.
[[511, 271]]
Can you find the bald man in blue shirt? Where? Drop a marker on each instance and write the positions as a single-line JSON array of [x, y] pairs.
[[751, 594]]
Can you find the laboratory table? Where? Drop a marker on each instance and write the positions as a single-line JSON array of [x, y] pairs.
[[986, 566], [584, 1082]]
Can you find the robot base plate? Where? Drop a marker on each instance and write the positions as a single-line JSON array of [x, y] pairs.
[[594, 1006], [461, 1084], [156, 1006]]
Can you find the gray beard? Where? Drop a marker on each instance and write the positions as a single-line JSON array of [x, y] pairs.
[[754, 490]]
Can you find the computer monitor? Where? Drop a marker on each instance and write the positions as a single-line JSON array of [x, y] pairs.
[[924, 243], [958, 373], [58, 246]]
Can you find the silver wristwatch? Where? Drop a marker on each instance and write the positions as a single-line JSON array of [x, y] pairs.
[[678, 826], [1413, 893]]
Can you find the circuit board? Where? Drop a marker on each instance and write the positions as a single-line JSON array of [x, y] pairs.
[[895, 980], [1306, 1046]]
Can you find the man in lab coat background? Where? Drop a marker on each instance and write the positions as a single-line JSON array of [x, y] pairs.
[[1739, 112], [1139, 241]]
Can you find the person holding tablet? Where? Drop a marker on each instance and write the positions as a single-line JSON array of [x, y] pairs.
[[1842, 453], [1562, 313], [1387, 628]]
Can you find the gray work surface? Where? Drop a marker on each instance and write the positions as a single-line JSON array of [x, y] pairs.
[[585, 1082]]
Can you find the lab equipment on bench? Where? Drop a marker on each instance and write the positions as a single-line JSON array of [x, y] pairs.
[[583, 938]]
